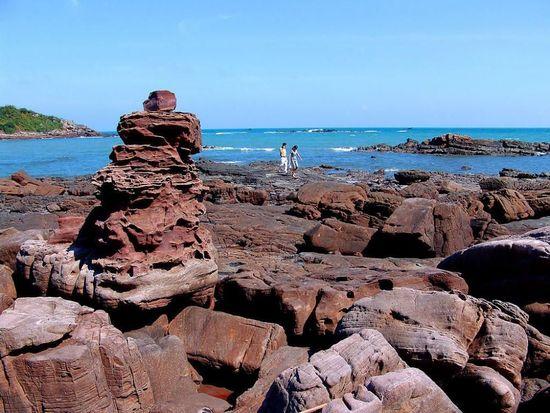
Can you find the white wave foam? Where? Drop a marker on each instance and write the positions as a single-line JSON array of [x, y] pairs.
[[230, 162], [372, 131], [391, 169], [256, 149], [274, 131], [343, 149], [230, 133], [219, 148]]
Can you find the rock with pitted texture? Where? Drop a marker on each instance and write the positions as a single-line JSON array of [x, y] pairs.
[[60, 356], [309, 296], [160, 101], [332, 373], [220, 341], [144, 247], [334, 236], [422, 227], [515, 269]]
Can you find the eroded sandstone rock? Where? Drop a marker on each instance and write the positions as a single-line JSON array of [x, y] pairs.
[[60, 356], [144, 246], [220, 341]]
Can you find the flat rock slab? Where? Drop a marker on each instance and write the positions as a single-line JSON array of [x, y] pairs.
[[226, 342]]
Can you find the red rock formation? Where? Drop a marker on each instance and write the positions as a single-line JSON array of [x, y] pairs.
[[58, 356], [160, 100], [144, 246]]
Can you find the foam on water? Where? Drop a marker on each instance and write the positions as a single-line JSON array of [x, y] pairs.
[[317, 145]]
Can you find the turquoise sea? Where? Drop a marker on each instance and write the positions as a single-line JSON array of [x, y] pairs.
[[333, 146]]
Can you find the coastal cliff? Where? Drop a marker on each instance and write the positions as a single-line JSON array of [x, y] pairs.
[[20, 123]]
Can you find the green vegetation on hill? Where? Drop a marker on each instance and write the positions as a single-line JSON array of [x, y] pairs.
[[13, 120]]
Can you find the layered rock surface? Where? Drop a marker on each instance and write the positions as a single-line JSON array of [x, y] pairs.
[[453, 144], [60, 356], [143, 247]]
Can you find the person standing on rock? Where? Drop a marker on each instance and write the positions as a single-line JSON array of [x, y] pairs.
[[294, 155], [284, 159]]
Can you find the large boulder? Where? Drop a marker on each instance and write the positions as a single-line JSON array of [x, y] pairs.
[[333, 236], [422, 227], [309, 296], [160, 101], [21, 184], [431, 330], [283, 358], [231, 344], [11, 240], [332, 373], [515, 269], [329, 199], [60, 356], [507, 205]]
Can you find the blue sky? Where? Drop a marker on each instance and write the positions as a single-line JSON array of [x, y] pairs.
[[282, 63]]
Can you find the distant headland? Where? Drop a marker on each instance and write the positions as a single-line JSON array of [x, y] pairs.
[[21, 123]]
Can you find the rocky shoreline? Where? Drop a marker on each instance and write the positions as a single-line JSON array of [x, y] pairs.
[[170, 286], [69, 130], [452, 144]]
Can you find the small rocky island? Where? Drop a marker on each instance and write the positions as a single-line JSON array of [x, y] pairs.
[[20, 123], [161, 285], [453, 144]]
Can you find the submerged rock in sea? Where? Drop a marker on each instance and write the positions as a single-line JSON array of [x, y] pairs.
[[143, 247]]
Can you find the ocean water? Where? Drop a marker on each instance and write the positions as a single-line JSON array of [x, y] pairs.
[[332, 146]]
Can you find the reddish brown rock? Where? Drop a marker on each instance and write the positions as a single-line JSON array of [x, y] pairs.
[[144, 246], [426, 190], [423, 228], [68, 229], [332, 373], [514, 269], [21, 184], [482, 389], [160, 101], [11, 240], [7, 288], [336, 236], [281, 359], [539, 316], [309, 297], [329, 199], [431, 330], [226, 342], [507, 205], [60, 356]]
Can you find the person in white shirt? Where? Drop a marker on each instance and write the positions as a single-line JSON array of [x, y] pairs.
[[294, 156], [284, 159]]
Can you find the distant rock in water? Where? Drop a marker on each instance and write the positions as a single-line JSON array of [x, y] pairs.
[[144, 247], [22, 123], [453, 144]]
